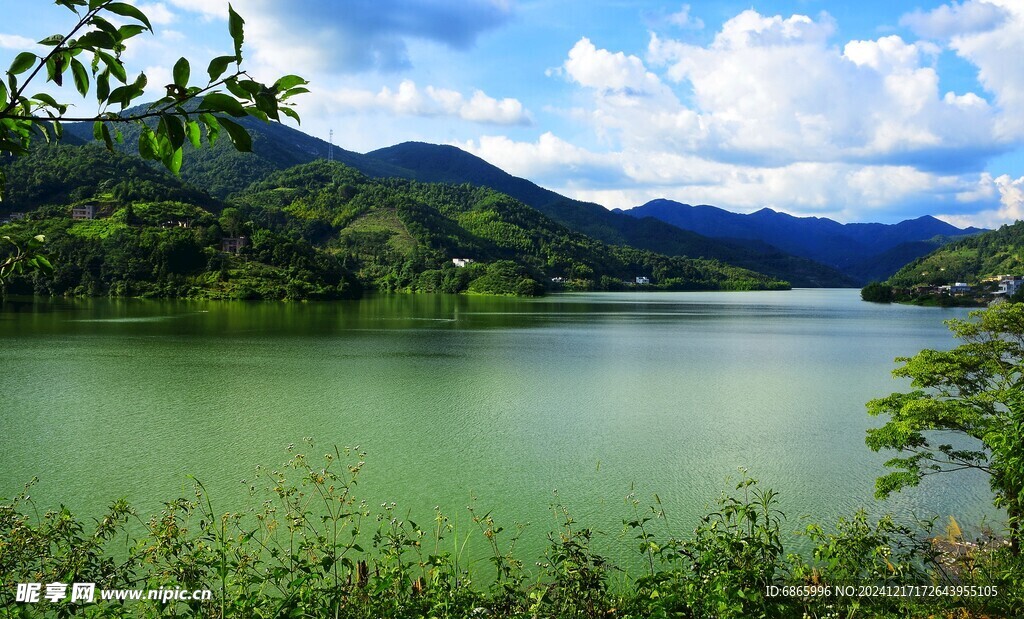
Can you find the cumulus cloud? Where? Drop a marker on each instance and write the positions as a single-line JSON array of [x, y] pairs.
[[774, 112], [410, 100], [777, 90], [1010, 206], [996, 53]]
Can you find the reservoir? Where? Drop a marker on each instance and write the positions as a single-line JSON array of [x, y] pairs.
[[579, 399]]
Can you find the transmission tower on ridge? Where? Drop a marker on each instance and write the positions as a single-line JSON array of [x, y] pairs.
[[330, 146]]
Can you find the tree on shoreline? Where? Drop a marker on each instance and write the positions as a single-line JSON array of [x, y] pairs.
[[91, 51], [976, 391]]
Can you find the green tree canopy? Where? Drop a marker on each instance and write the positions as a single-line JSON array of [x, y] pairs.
[[877, 293], [966, 411]]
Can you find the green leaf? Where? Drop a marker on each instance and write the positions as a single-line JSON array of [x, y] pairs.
[[149, 148], [239, 136], [194, 133], [127, 32], [52, 40], [115, 67], [127, 10], [257, 113], [218, 66], [22, 62], [81, 77], [236, 89], [287, 111], [103, 85], [122, 95], [173, 161], [3, 93], [268, 105], [235, 23], [181, 72], [294, 91], [105, 26], [289, 81], [212, 127], [100, 131], [220, 102], [96, 39], [172, 127], [48, 100]]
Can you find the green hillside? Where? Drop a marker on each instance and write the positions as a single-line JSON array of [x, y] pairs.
[[448, 164], [999, 252], [62, 173], [223, 172], [319, 230], [398, 234]]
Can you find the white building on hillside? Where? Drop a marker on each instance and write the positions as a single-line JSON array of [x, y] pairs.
[[1010, 284]]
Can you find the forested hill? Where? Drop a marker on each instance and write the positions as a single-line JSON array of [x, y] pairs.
[[401, 234], [62, 174], [999, 252], [319, 230], [448, 164], [223, 172]]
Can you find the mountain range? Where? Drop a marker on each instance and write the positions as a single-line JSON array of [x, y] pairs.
[[864, 251]]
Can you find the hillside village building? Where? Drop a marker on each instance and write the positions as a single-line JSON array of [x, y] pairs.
[[957, 288], [85, 211], [1010, 284], [232, 244]]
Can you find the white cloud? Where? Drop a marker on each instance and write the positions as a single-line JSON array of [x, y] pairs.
[[623, 179], [683, 19], [777, 91], [14, 41], [954, 19], [607, 71], [1010, 209], [775, 112], [411, 100], [158, 13], [548, 159], [996, 53]]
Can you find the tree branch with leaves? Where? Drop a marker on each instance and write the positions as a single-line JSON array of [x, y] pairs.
[[975, 393], [91, 53]]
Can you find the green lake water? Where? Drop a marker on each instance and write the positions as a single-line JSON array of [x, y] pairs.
[[509, 400]]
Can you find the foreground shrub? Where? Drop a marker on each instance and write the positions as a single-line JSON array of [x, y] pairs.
[[308, 547]]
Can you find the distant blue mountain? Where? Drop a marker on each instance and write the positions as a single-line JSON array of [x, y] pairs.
[[863, 251]]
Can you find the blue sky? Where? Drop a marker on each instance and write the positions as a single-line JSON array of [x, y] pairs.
[[866, 111]]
